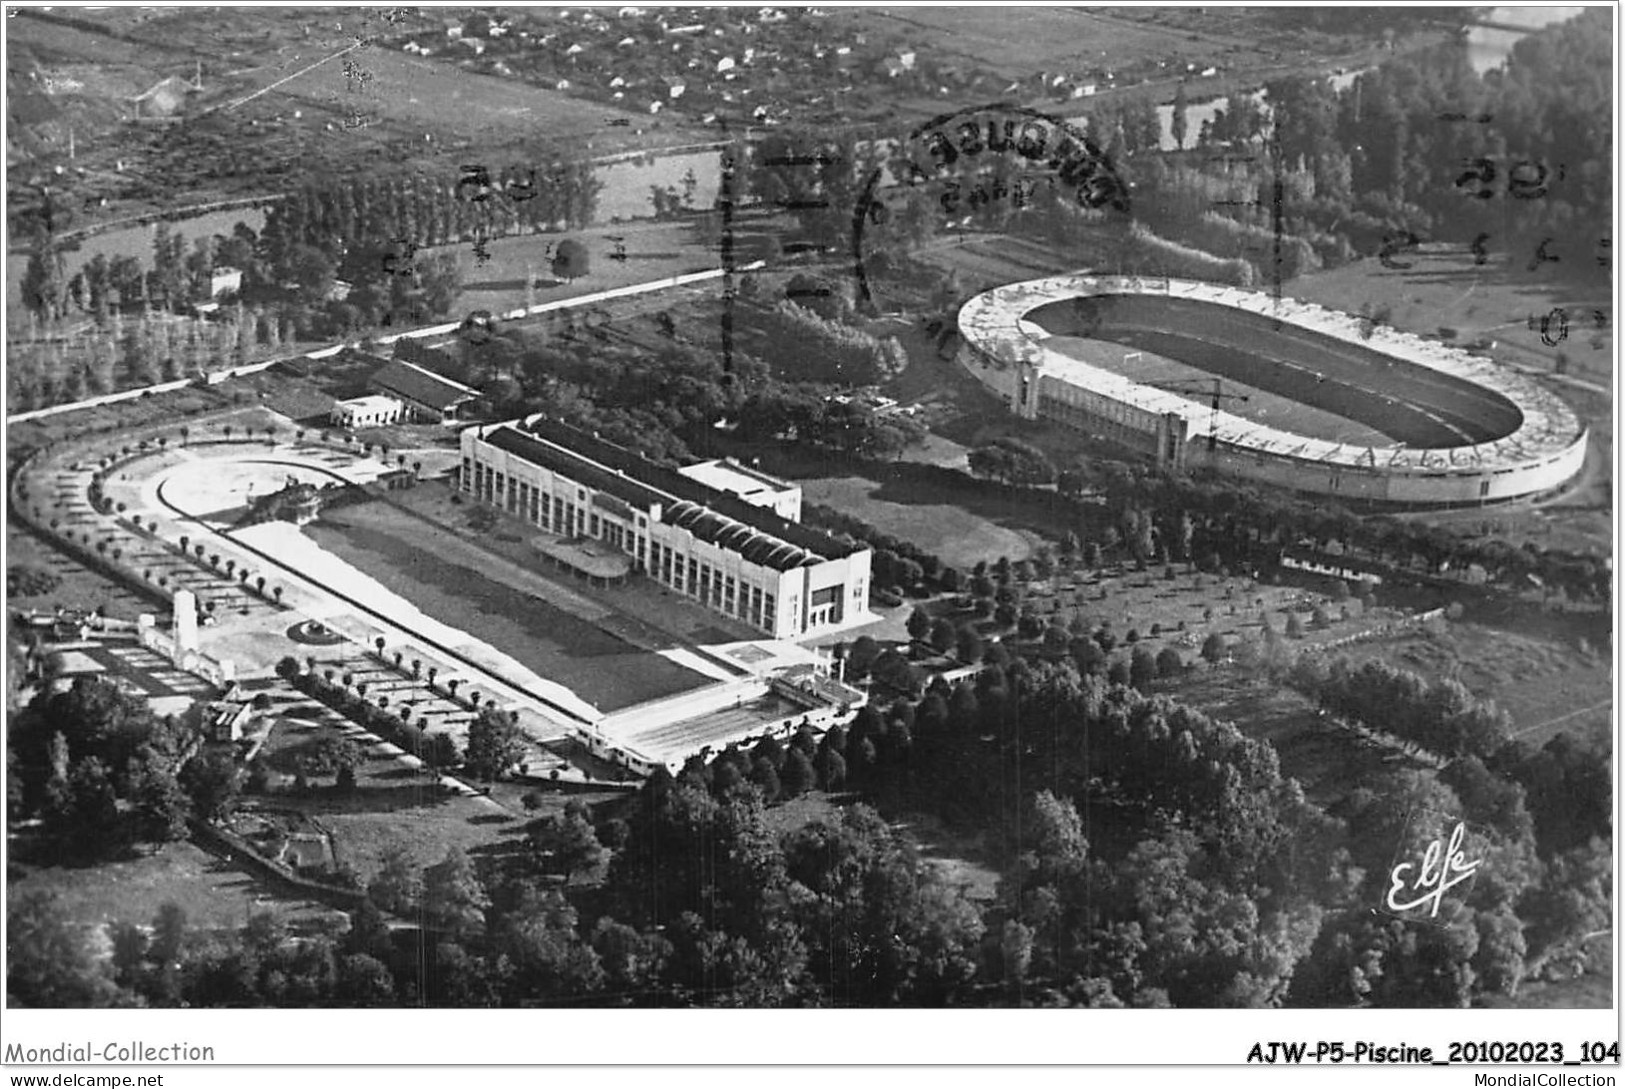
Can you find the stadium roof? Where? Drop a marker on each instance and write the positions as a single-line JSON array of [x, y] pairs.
[[756, 533], [992, 321]]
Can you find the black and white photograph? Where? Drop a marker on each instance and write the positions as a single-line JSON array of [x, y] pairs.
[[841, 508]]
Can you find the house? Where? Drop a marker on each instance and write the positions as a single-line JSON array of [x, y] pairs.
[[225, 280], [427, 396], [224, 720], [373, 410], [305, 852], [898, 63]]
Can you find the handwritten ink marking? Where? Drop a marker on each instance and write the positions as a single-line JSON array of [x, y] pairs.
[[1542, 256], [1561, 318], [726, 191], [1525, 179], [1048, 147], [1442, 869], [477, 177]]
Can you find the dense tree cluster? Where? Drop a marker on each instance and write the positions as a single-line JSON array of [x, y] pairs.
[[104, 773], [1159, 858], [1441, 716], [810, 348], [1419, 147], [1012, 461]]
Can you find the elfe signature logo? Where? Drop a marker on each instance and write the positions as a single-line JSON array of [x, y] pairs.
[[1442, 868]]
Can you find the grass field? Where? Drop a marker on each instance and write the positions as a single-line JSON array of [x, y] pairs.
[[216, 896], [1260, 406], [81, 587], [960, 538], [654, 251], [411, 558]]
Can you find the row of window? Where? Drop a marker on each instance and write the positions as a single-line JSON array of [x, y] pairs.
[[715, 588]]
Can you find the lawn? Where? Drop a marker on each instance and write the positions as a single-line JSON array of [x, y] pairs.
[[959, 537], [215, 895], [460, 585], [81, 588], [652, 251]]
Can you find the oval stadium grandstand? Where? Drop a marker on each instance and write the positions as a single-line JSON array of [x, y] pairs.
[[1274, 390]]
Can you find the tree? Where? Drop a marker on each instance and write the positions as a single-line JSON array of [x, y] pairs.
[[363, 982], [1214, 648], [49, 961], [1294, 626], [210, 780], [919, 624], [440, 751], [453, 896], [831, 767], [1181, 119], [494, 744], [943, 635], [566, 844], [1142, 669], [968, 645], [161, 806], [398, 885], [571, 260], [860, 657], [798, 775], [1170, 663]]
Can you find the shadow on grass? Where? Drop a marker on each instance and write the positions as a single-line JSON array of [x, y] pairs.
[[372, 799]]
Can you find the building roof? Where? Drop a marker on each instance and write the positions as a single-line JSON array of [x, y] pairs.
[[568, 463], [423, 386], [730, 476], [756, 533], [678, 486]]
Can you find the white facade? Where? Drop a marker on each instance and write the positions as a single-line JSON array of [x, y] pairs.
[[1008, 354], [779, 577], [370, 411]]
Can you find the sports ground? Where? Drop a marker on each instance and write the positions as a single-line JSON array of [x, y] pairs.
[[1250, 402]]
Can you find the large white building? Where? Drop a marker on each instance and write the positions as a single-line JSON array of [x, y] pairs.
[[712, 532]]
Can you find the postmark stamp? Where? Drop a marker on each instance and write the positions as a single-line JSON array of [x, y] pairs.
[[995, 156]]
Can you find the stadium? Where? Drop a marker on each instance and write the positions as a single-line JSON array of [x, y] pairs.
[[1278, 391]]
